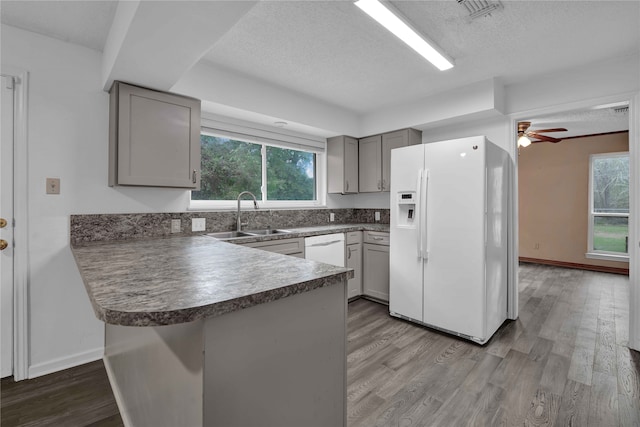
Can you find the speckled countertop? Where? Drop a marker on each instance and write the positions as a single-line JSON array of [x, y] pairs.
[[180, 279]]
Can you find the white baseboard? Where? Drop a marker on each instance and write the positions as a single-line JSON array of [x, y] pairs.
[[67, 362]]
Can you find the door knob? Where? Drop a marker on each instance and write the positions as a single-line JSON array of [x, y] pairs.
[[3, 244], [3, 223]]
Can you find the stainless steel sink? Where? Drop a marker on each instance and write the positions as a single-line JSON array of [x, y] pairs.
[[265, 232], [226, 235], [223, 235]]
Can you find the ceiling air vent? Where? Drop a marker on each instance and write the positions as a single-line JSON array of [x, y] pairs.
[[621, 110], [478, 8]]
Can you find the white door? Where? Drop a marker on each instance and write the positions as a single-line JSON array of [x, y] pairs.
[[454, 236], [405, 252], [6, 232]]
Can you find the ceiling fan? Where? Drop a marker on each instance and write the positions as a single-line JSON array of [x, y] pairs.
[[526, 137]]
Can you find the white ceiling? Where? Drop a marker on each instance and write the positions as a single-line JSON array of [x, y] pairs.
[[332, 52]]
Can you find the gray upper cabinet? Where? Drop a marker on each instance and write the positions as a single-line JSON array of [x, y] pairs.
[[370, 152], [154, 138], [375, 157], [391, 140], [342, 165]]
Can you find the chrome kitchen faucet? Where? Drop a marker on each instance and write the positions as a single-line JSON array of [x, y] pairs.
[[255, 204]]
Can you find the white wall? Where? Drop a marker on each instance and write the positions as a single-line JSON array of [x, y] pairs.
[[68, 139], [602, 79]]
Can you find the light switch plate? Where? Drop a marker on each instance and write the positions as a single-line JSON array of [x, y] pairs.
[[198, 224], [53, 185], [377, 216], [176, 225]]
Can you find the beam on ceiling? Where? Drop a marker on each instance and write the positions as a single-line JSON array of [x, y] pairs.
[[153, 44]]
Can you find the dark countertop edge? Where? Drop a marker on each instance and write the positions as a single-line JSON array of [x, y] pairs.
[[178, 316]]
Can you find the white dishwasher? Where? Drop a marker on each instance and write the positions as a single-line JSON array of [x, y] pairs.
[[328, 248]]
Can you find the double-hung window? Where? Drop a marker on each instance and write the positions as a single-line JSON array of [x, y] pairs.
[[609, 206], [280, 173]]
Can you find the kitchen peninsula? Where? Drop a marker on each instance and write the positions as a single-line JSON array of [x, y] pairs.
[[200, 332]]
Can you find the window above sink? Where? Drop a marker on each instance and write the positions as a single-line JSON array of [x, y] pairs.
[[282, 170]]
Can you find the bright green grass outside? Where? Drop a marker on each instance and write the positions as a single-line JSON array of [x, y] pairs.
[[610, 237]]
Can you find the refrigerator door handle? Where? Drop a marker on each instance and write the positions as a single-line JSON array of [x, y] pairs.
[[419, 206], [424, 236]]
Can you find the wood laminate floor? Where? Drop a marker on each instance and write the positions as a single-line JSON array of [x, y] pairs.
[[564, 362], [75, 397]]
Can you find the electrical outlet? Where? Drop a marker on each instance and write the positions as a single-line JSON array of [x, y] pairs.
[[377, 216], [198, 224], [332, 217], [176, 225], [53, 185]]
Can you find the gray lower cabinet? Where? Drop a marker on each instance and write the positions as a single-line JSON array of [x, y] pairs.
[[154, 138], [354, 260], [342, 165], [375, 277], [293, 247]]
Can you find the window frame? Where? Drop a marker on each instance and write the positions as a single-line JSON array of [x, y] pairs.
[[320, 178], [593, 253]]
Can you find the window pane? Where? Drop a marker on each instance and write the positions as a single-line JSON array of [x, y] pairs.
[[228, 168], [610, 234], [291, 174], [611, 184]]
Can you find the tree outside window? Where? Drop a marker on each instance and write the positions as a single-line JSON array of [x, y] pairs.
[[231, 166], [609, 203]]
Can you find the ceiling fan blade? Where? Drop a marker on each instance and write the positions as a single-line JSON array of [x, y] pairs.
[[548, 130], [523, 126], [544, 138]]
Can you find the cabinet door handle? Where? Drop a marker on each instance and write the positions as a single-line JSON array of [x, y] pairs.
[[193, 176], [348, 253], [347, 186], [379, 186], [383, 184]]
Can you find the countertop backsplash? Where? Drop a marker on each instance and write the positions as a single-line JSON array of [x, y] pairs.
[[108, 227]]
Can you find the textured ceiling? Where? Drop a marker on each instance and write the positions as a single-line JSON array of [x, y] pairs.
[[332, 51], [86, 23]]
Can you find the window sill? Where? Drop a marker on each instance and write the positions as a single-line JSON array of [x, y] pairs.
[[202, 205], [607, 257]]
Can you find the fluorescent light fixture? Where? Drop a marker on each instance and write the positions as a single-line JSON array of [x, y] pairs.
[[523, 141], [612, 105], [398, 26]]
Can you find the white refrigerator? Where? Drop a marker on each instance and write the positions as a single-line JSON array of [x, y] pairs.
[[448, 249]]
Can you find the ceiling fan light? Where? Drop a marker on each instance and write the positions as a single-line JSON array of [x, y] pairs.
[[523, 141]]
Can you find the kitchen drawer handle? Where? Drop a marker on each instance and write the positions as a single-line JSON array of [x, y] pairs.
[[326, 244], [378, 238]]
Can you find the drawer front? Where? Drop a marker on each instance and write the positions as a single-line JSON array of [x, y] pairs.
[[285, 246], [376, 237], [354, 237]]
